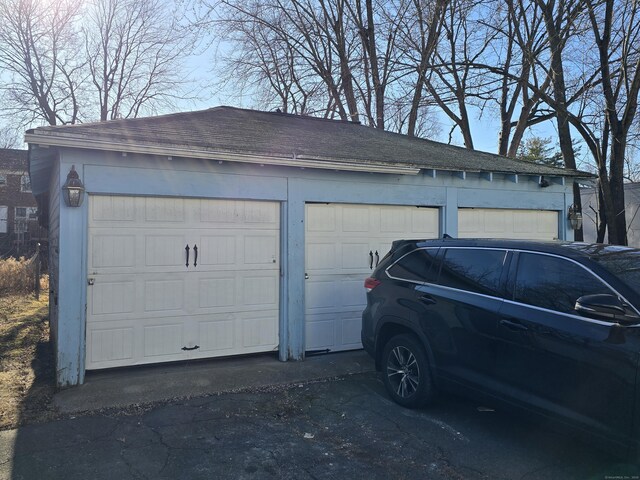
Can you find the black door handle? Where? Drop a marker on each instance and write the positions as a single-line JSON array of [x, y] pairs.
[[427, 299], [195, 347], [370, 260], [377, 258], [513, 325], [186, 249], [195, 256]]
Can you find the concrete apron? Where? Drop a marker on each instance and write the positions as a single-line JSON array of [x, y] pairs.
[[148, 384]]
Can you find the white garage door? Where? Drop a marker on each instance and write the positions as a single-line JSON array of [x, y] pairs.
[[341, 243], [147, 305], [499, 223]]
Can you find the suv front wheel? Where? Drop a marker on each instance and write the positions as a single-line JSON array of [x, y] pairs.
[[406, 373]]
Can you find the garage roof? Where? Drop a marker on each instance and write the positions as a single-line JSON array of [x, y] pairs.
[[234, 134]]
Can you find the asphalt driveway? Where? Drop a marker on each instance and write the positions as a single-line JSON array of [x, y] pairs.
[[325, 429]]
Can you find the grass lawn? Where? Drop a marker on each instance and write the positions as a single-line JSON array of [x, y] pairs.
[[26, 361]]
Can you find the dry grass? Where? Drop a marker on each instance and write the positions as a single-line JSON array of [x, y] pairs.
[[26, 360], [16, 276]]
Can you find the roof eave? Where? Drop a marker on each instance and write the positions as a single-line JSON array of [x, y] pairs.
[[299, 161], [182, 152]]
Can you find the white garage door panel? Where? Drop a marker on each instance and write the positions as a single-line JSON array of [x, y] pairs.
[[164, 340], [247, 331], [506, 223], [338, 241], [122, 342], [110, 345], [113, 296], [147, 306], [325, 331]]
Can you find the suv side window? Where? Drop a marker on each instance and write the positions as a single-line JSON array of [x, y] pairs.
[[417, 266], [553, 283], [473, 269]]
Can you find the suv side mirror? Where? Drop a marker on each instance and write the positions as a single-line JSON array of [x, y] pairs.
[[604, 306]]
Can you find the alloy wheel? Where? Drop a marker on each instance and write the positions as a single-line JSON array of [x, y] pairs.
[[403, 372]]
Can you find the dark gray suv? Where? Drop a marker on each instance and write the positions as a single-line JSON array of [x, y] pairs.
[[551, 327]]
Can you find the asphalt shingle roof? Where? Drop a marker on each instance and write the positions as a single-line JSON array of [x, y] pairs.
[[251, 132]]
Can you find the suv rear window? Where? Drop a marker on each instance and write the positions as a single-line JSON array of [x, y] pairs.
[[473, 269], [417, 266]]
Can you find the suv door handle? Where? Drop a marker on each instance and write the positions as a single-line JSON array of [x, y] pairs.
[[513, 325], [427, 299]]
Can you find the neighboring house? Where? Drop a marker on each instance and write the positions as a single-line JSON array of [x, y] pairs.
[[19, 228], [230, 231], [590, 214]]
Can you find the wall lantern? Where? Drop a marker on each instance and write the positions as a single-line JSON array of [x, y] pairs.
[[73, 189], [575, 217]]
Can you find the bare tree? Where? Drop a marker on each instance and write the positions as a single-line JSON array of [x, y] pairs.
[[452, 81], [337, 57], [38, 53], [418, 25], [135, 54], [631, 169], [521, 44], [376, 63], [560, 18], [8, 137], [133, 57], [262, 61], [612, 105], [263, 34]]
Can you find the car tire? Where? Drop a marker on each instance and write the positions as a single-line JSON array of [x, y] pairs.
[[405, 372]]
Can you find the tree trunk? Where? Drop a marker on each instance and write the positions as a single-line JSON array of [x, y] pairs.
[[602, 218], [378, 87], [616, 182], [559, 93]]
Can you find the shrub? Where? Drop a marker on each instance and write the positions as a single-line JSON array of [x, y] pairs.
[[16, 276]]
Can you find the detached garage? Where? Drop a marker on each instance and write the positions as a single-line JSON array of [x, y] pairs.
[[229, 231]]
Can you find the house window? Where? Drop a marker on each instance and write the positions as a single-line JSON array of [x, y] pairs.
[[26, 213], [25, 183], [22, 217], [3, 180], [3, 218]]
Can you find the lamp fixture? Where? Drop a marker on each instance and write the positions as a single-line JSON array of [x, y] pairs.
[[73, 189], [575, 217]]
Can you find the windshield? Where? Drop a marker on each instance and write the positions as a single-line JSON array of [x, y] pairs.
[[624, 265]]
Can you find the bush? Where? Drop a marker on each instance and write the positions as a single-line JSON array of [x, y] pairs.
[[16, 276]]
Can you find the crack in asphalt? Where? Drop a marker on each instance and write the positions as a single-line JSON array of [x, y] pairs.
[[130, 466]]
